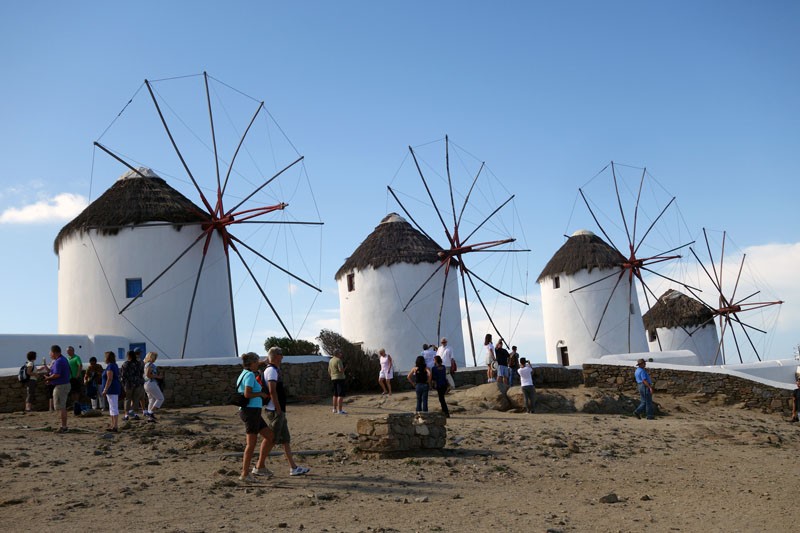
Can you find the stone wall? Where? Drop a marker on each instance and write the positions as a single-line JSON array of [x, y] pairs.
[[402, 433], [194, 385], [733, 389], [211, 384]]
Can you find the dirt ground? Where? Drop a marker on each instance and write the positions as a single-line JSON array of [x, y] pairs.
[[697, 467]]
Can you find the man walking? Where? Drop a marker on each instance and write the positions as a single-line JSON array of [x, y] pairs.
[[645, 385], [276, 410], [59, 377], [446, 353]]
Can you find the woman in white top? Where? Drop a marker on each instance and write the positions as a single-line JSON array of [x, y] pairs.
[[387, 372], [490, 357], [151, 377]]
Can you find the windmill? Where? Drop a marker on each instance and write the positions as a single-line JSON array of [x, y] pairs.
[[637, 228], [731, 310], [225, 149], [450, 193]]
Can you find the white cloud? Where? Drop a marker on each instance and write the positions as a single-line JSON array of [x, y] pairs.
[[60, 208]]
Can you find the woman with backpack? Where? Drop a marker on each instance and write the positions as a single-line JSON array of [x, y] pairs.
[[30, 382], [254, 423]]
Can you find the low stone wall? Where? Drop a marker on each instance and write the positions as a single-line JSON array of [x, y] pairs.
[[193, 385], [543, 376], [405, 432], [734, 389], [211, 384]]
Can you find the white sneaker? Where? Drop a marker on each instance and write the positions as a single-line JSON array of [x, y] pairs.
[[334, 411], [262, 472], [299, 471]]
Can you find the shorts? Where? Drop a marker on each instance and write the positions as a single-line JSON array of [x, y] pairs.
[[338, 387], [503, 371], [134, 395], [280, 428], [386, 375], [60, 395], [253, 421]]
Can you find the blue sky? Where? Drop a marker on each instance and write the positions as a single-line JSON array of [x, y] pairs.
[[704, 94]]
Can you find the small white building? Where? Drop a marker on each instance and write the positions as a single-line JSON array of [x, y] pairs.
[[128, 238], [679, 322], [584, 316], [379, 279]]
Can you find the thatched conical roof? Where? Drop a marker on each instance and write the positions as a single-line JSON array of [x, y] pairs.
[[133, 199], [583, 251], [393, 241], [674, 309]]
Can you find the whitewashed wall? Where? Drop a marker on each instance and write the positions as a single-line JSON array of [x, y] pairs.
[[572, 318], [373, 314], [91, 290], [703, 342]]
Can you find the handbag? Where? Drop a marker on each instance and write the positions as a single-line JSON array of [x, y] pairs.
[[237, 398]]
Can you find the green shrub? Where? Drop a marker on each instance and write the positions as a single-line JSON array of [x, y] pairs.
[[292, 347], [361, 369]]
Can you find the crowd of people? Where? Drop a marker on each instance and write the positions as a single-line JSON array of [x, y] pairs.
[[66, 380]]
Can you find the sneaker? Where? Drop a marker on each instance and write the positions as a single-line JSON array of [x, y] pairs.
[[135, 417], [262, 472], [334, 411], [299, 471], [125, 418], [151, 416], [637, 415], [342, 412], [62, 430], [248, 478]]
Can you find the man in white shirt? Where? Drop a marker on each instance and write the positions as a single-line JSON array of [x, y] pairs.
[[446, 353], [526, 381]]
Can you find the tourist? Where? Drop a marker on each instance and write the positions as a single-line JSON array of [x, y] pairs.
[[446, 353], [336, 372], [254, 424], [501, 355], [489, 357], [276, 410], [428, 352], [526, 381], [75, 380], [420, 377], [386, 373], [645, 385], [30, 385], [796, 401], [513, 365], [92, 381], [439, 379], [111, 389], [59, 376], [132, 378], [152, 386]]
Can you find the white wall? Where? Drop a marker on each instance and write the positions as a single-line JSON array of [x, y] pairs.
[[373, 314], [13, 348], [91, 290], [572, 318], [703, 342]]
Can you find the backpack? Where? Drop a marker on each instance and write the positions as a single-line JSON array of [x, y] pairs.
[[23, 376]]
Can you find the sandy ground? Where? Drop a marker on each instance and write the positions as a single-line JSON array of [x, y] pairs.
[[699, 467]]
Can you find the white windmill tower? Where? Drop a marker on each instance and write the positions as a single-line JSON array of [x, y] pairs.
[[384, 273], [680, 322], [584, 316], [122, 241]]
